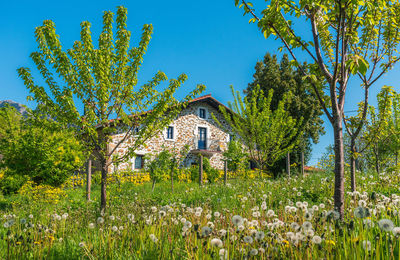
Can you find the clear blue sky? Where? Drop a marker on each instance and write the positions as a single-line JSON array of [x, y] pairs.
[[209, 41]]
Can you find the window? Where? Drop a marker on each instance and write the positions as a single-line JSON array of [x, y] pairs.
[[139, 161], [170, 132], [202, 113]]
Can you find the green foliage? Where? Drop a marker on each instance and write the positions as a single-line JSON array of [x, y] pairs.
[[12, 183], [378, 130], [104, 81], [236, 156], [266, 133], [38, 148], [282, 77], [162, 164]]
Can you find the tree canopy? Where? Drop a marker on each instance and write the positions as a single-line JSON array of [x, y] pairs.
[[105, 81]]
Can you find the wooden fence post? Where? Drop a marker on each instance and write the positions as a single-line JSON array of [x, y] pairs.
[[88, 179], [302, 163], [225, 171], [288, 164], [201, 170]]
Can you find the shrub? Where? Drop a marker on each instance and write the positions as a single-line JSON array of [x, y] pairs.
[[39, 148], [12, 183]]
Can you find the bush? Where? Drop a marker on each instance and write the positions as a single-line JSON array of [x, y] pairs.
[[39, 148], [12, 183]]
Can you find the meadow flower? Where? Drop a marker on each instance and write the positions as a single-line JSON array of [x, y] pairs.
[[223, 254], [322, 205], [361, 212], [6, 225], [240, 228], [81, 244], [208, 216], [65, 215], [259, 235], [153, 238], [253, 252], [248, 239], [216, 242], [197, 214], [100, 220], [256, 214], [316, 240], [154, 209], [362, 203], [295, 226], [22, 221], [217, 214], [162, 213], [187, 224], [205, 231], [307, 225], [270, 213], [30, 216], [309, 233], [396, 231], [366, 245], [237, 220], [308, 215], [222, 232], [91, 225], [332, 214], [210, 224], [112, 218], [386, 225]]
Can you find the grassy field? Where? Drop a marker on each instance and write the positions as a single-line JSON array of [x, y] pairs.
[[263, 219]]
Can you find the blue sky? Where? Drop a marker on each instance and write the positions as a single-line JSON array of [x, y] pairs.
[[209, 41]]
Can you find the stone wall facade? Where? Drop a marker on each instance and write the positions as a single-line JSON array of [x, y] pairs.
[[186, 129]]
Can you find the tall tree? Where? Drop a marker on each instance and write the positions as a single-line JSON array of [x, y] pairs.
[[266, 133], [347, 37], [282, 77], [104, 81], [378, 134], [373, 130]]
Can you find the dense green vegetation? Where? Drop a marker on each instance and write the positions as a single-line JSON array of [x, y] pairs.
[[283, 218]]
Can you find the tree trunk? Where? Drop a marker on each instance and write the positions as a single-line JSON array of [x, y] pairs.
[[377, 168], [88, 179], [103, 196], [339, 165], [201, 170], [225, 172], [302, 163], [288, 164], [353, 164]]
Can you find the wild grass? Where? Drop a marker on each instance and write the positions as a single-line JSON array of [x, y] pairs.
[[263, 219]]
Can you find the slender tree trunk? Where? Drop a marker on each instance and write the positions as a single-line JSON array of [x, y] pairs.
[[154, 185], [302, 163], [225, 172], [339, 165], [353, 164], [103, 196], [377, 168], [288, 164], [396, 158], [201, 170], [88, 179]]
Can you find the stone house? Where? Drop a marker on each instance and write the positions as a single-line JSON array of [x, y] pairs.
[[194, 126]]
